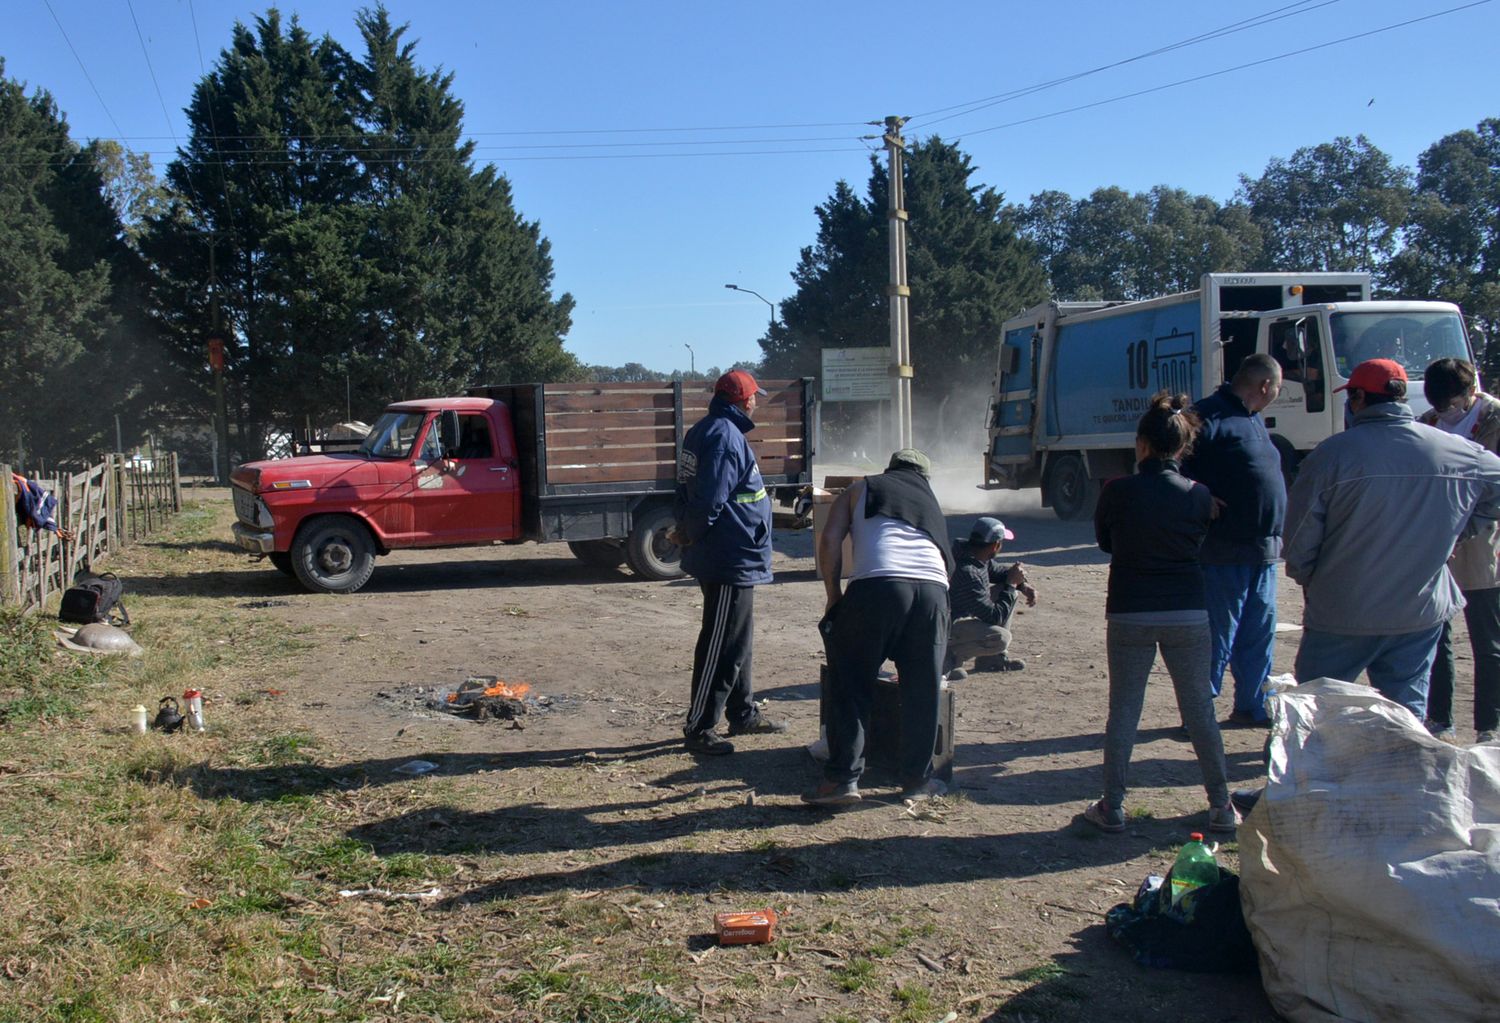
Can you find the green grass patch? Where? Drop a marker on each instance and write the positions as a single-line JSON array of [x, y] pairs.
[[855, 974]]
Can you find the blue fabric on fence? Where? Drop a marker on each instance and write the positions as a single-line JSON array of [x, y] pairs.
[[35, 506]]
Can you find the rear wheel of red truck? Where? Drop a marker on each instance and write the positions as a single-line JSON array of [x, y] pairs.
[[1073, 494], [599, 553], [334, 554], [648, 551]]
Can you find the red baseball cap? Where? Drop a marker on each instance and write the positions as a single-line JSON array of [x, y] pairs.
[[737, 385], [1375, 375]]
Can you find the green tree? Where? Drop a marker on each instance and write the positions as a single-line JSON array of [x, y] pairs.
[[460, 284], [1114, 245], [1335, 206], [256, 220], [968, 269], [354, 243], [1452, 243], [66, 287]]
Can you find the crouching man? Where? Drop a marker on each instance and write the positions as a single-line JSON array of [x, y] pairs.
[[981, 598]]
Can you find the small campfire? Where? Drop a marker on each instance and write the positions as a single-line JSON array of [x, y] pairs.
[[483, 698]]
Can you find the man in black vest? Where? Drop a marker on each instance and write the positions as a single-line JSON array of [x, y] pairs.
[[896, 608]]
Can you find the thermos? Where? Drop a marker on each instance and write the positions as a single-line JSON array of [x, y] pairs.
[[138, 719], [192, 710]]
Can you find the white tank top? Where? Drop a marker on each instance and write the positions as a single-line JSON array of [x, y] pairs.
[[885, 547]]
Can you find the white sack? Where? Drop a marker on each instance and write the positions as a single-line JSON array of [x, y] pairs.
[[1371, 866]]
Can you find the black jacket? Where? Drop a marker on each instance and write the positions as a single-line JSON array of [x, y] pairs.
[[979, 589], [1152, 525], [1235, 459]]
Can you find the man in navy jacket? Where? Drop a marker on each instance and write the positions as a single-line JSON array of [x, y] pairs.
[[1234, 458], [724, 528]]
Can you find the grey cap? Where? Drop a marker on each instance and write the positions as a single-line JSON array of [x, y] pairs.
[[913, 458], [987, 530]]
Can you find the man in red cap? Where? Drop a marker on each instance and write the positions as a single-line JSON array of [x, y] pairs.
[[724, 529], [1371, 520]]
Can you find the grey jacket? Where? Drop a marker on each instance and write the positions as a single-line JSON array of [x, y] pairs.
[[1373, 516], [1474, 565]]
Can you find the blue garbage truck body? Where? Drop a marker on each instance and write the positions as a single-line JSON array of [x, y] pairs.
[[1073, 378]]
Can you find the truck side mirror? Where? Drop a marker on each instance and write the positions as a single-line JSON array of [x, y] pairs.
[[1299, 339], [447, 426]]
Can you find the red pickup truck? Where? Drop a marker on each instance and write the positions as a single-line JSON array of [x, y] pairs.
[[592, 465]]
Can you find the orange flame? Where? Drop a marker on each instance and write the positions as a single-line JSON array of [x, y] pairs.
[[509, 690]]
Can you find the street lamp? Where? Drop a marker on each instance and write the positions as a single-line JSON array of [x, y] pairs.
[[692, 361], [767, 301]]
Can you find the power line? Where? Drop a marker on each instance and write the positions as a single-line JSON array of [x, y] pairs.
[[159, 97], [1277, 14], [1224, 71], [86, 76]]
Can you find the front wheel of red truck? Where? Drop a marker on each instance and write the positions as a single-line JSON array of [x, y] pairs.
[[648, 551], [333, 554]]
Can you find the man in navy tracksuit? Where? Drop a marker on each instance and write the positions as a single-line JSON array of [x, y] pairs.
[[1234, 458], [724, 527]]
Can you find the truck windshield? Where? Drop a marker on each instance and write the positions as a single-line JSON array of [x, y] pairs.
[[1414, 339], [392, 435]]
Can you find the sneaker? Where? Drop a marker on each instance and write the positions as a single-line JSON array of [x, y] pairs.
[[1244, 800], [1223, 818], [833, 793], [707, 744], [1104, 818], [759, 725], [1441, 731], [1488, 735], [956, 675], [932, 788], [998, 662], [1245, 719]]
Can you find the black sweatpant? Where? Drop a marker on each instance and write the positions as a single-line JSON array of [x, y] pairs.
[[721, 660], [878, 619]]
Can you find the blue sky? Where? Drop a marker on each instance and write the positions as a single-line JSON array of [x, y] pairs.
[[669, 148]]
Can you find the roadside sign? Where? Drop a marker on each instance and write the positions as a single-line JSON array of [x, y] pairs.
[[857, 374]]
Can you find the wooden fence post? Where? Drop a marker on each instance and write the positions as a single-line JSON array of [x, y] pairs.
[[176, 485], [10, 569]]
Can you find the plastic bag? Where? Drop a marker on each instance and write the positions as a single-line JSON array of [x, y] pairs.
[[1371, 864]]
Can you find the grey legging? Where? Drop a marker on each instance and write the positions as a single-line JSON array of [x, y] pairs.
[[1187, 651]]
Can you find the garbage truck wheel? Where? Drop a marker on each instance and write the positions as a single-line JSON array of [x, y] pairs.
[[650, 554], [1074, 495]]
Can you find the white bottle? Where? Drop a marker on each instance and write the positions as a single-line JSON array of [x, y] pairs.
[[138, 719], [192, 709]]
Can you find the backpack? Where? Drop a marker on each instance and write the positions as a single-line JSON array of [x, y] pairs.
[[94, 598]]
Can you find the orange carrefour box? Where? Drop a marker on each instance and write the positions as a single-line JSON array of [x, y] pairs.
[[751, 927]]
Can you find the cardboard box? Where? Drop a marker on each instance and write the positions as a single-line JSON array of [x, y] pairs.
[[747, 927], [883, 740]]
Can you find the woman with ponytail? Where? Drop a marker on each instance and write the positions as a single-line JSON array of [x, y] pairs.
[[1152, 524]]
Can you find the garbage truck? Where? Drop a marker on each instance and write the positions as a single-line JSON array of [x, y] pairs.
[[1072, 378]]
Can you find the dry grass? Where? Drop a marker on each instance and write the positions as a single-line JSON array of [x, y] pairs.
[[197, 877]]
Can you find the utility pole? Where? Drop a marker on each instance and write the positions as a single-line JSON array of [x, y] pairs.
[[899, 291]]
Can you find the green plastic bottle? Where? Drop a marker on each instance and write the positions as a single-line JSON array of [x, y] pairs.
[[1195, 866]]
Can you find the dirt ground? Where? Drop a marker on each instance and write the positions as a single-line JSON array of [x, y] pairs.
[[990, 903]]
